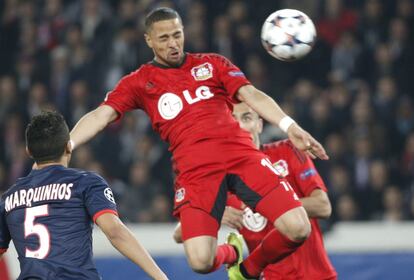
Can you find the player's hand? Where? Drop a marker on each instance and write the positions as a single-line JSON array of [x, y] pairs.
[[232, 217], [305, 142]]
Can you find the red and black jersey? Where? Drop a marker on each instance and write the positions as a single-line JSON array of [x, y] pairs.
[[186, 104]]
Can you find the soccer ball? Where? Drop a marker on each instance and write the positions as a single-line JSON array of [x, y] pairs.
[[288, 34]]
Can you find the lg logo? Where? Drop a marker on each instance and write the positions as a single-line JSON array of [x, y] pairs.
[[170, 104]]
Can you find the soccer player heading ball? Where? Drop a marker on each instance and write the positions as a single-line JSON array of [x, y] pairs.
[[188, 98]]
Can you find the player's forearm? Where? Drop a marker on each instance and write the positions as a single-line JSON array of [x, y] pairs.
[[316, 207], [91, 124], [263, 104], [130, 247]]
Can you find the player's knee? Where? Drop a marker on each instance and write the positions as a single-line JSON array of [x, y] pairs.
[[201, 262], [299, 230]]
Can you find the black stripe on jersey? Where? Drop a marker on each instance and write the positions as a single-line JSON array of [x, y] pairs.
[[220, 201], [243, 191], [236, 185]]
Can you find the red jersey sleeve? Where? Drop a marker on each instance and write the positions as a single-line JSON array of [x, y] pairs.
[[126, 95], [303, 171], [230, 76]]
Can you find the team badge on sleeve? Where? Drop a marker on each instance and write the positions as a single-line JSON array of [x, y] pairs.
[[281, 167], [236, 73], [109, 195], [307, 173], [202, 72], [179, 195]]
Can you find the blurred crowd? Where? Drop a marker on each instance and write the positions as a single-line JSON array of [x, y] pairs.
[[354, 92]]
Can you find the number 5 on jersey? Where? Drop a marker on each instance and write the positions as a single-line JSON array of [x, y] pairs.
[[40, 230], [266, 162]]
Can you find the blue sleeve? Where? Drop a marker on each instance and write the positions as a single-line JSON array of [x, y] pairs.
[[4, 230], [98, 196]]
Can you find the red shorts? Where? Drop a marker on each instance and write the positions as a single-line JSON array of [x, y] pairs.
[[212, 168], [195, 222]]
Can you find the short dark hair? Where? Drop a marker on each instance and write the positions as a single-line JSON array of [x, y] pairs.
[[159, 14], [47, 135]]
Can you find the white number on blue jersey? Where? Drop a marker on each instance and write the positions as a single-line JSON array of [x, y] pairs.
[[40, 230]]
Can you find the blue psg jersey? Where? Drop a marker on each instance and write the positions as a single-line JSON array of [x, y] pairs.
[[49, 216]]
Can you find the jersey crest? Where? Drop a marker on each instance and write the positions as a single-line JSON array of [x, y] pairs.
[[202, 72], [179, 195], [281, 167]]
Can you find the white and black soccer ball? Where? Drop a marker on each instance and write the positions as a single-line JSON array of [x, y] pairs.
[[288, 34]]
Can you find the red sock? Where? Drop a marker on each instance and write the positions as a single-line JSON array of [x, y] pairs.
[[274, 247], [225, 254]]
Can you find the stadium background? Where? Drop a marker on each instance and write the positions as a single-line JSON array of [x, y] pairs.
[[354, 92]]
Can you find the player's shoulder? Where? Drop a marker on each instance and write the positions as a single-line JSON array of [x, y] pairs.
[[20, 183], [136, 77], [88, 177], [215, 57], [9, 191], [277, 145], [285, 147]]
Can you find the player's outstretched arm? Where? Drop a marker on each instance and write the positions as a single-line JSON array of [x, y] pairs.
[[125, 242], [92, 123], [267, 108], [317, 204]]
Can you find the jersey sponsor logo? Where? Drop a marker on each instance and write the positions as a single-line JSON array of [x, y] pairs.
[[281, 167], [236, 73], [25, 197], [202, 72], [307, 173], [170, 104], [109, 195], [253, 221], [201, 93], [179, 195]]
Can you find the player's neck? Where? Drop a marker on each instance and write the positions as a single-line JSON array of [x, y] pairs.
[[257, 144], [164, 64], [41, 165]]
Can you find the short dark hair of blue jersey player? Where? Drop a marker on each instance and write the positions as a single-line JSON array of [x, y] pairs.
[[49, 214], [47, 138]]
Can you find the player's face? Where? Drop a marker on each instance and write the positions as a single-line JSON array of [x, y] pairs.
[[166, 39], [248, 120]]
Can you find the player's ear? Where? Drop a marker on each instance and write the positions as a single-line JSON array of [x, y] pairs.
[[148, 40], [260, 125], [28, 152], [69, 147]]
